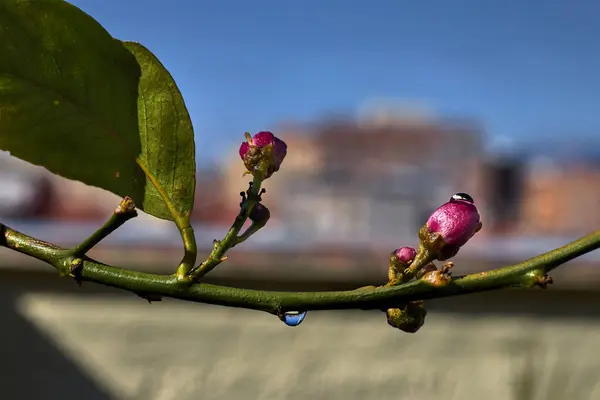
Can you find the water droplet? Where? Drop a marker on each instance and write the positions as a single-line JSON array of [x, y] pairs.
[[293, 318]]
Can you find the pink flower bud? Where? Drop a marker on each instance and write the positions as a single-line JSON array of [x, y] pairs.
[[264, 147], [453, 224], [244, 147], [405, 255], [400, 259]]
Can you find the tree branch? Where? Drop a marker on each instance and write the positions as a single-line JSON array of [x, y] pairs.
[[123, 213], [525, 274], [218, 254]]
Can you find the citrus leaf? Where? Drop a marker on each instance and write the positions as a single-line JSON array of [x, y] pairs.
[[69, 97], [168, 149]]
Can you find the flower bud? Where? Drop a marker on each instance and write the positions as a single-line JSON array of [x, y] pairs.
[[450, 227], [409, 318], [405, 255], [263, 153], [259, 213], [400, 259]]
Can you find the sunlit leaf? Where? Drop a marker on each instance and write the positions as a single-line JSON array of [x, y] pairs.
[[90, 108]]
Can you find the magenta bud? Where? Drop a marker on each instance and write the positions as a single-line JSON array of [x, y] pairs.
[[405, 255], [259, 213], [263, 152], [451, 226], [400, 259], [244, 147]]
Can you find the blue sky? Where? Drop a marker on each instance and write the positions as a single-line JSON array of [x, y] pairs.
[[529, 70]]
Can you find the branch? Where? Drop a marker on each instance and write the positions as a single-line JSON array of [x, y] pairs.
[[231, 238], [252, 229], [123, 213], [526, 274]]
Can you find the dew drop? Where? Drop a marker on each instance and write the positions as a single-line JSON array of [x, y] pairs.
[[293, 318]]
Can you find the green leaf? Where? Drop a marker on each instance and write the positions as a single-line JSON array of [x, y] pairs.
[[168, 149], [88, 107]]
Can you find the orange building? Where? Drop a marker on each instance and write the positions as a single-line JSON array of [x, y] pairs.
[[560, 199]]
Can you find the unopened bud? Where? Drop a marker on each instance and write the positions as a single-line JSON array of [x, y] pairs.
[[259, 213], [450, 227], [409, 318], [263, 153], [400, 259]]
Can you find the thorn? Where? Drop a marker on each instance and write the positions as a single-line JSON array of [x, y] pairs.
[[149, 297], [75, 269], [544, 281], [224, 258]]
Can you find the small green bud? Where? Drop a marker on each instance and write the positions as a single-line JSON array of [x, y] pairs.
[[409, 318]]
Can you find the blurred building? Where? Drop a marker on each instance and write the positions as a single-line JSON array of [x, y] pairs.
[[560, 198], [359, 181], [25, 190], [32, 192], [210, 206], [373, 179], [502, 182]]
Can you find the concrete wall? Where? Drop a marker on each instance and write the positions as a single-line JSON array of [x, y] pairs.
[[61, 342]]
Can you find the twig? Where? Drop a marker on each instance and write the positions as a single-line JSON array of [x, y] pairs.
[[123, 213], [525, 274], [218, 254], [252, 229]]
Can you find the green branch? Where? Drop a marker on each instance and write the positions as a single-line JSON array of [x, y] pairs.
[[525, 274], [123, 213], [231, 238], [252, 229]]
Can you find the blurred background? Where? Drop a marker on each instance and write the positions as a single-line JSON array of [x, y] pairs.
[[388, 108]]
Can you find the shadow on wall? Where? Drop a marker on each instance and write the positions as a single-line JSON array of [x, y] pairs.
[[31, 367]]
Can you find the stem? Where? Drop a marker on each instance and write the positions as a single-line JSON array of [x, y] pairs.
[[189, 248], [252, 229], [182, 221], [231, 239], [275, 302], [123, 213]]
